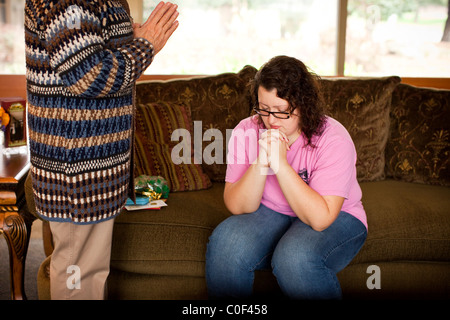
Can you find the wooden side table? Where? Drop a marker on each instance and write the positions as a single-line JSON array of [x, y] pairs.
[[15, 221]]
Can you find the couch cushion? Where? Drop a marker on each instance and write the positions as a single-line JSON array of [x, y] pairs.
[[217, 102], [155, 123], [362, 106], [170, 241], [399, 280], [419, 147], [407, 221]]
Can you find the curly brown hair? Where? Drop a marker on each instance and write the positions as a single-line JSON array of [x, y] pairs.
[[298, 86]]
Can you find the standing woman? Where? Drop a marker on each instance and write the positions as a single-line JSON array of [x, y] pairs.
[[292, 189], [83, 58]]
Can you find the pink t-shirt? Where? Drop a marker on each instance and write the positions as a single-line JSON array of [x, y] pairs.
[[329, 168]]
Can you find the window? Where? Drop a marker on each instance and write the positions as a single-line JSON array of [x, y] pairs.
[[397, 37], [2, 11], [12, 43], [382, 37], [225, 35], [378, 37]]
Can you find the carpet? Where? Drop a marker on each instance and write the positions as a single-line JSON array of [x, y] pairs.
[[35, 256]]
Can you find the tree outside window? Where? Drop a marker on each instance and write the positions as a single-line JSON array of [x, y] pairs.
[[383, 37], [406, 38]]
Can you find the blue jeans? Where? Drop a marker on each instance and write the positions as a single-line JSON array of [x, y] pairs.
[[305, 262]]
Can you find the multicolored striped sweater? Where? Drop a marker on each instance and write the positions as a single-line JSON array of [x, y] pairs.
[[82, 63]]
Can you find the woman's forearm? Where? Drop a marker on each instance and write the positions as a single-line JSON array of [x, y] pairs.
[[315, 210], [244, 196]]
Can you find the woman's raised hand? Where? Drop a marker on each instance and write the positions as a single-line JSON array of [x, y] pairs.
[[160, 25]]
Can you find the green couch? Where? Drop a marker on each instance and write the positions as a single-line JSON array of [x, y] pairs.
[[402, 136]]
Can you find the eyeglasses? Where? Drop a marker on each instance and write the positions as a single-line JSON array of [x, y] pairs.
[[279, 115]]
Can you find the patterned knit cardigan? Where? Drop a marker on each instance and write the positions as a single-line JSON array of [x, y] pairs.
[[82, 62]]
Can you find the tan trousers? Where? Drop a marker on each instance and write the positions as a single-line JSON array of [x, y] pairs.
[[80, 260]]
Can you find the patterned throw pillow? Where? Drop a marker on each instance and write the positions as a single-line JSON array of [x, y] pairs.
[[419, 147], [155, 123], [217, 102], [362, 106]]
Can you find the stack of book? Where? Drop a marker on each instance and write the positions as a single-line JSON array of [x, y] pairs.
[[144, 203]]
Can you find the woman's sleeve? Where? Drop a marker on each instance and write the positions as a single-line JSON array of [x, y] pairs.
[[335, 169], [242, 151], [74, 38]]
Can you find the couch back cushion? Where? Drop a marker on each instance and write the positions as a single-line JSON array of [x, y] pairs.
[[419, 147], [215, 102], [155, 124], [362, 105]]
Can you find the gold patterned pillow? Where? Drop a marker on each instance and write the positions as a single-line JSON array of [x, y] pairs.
[[217, 103], [155, 124], [362, 105], [419, 147]]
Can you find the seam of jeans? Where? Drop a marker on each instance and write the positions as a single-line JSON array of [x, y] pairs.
[[260, 261], [342, 243]]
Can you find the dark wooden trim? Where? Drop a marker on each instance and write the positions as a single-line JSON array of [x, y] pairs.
[[15, 85]]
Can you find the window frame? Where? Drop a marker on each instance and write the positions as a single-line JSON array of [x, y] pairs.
[[136, 6]]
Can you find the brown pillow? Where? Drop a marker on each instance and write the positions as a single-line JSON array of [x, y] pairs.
[[155, 123], [419, 147], [362, 105], [216, 102]]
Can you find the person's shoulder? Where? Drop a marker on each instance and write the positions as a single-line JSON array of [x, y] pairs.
[[333, 133], [248, 123], [333, 127]]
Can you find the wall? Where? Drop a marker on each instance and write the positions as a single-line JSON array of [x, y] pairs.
[[15, 85], [136, 9]]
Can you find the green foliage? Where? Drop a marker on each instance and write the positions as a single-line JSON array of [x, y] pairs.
[[389, 7], [252, 4]]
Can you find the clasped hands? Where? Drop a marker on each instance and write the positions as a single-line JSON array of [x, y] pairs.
[[273, 147], [159, 26]]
